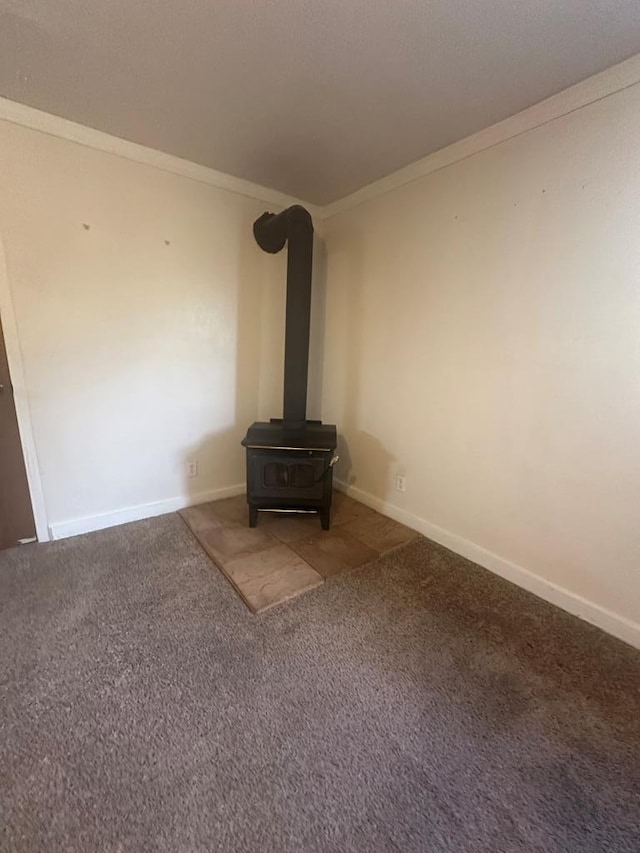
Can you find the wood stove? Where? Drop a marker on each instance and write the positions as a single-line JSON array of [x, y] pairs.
[[290, 459]]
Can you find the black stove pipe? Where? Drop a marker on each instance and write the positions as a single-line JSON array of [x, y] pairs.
[[272, 231]]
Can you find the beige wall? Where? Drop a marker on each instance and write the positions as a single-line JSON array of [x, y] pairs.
[[141, 335], [485, 342]]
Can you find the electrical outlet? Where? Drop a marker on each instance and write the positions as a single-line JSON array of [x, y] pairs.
[[400, 483], [192, 468]]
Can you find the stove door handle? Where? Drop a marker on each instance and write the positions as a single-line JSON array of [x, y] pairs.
[[333, 461]]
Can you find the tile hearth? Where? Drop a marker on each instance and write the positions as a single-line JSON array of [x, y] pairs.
[[286, 555]]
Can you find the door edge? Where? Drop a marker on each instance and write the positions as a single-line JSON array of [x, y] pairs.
[[21, 401]]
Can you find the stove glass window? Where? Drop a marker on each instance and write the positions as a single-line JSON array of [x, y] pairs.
[[280, 475]]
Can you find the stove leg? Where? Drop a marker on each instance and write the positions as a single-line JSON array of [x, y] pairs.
[[325, 518], [253, 515]]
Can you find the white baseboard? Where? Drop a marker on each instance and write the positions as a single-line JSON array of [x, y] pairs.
[[619, 626], [75, 526]]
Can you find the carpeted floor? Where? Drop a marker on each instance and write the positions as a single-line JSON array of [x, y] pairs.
[[418, 704]]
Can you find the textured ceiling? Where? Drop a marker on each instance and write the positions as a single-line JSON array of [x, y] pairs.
[[315, 98]]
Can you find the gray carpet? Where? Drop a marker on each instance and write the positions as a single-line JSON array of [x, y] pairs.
[[419, 704]]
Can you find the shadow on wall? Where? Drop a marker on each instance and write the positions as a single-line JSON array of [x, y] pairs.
[[219, 454], [208, 454], [363, 459], [379, 462], [318, 329]]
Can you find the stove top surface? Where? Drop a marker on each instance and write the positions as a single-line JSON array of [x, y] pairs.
[[312, 435]]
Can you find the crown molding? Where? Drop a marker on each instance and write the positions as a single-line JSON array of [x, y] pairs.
[[601, 85], [25, 116]]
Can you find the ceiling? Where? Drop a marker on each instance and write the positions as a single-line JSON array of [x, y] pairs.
[[315, 98]]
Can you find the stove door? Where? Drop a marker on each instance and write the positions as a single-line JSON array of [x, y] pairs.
[[287, 474]]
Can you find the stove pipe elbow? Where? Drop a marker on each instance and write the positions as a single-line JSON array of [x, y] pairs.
[[272, 230]]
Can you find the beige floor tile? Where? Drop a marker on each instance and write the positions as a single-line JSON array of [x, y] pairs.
[[289, 528], [344, 509], [200, 518], [334, 551], [232, 510], [379, 532], [271, 577], [228, 542]]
